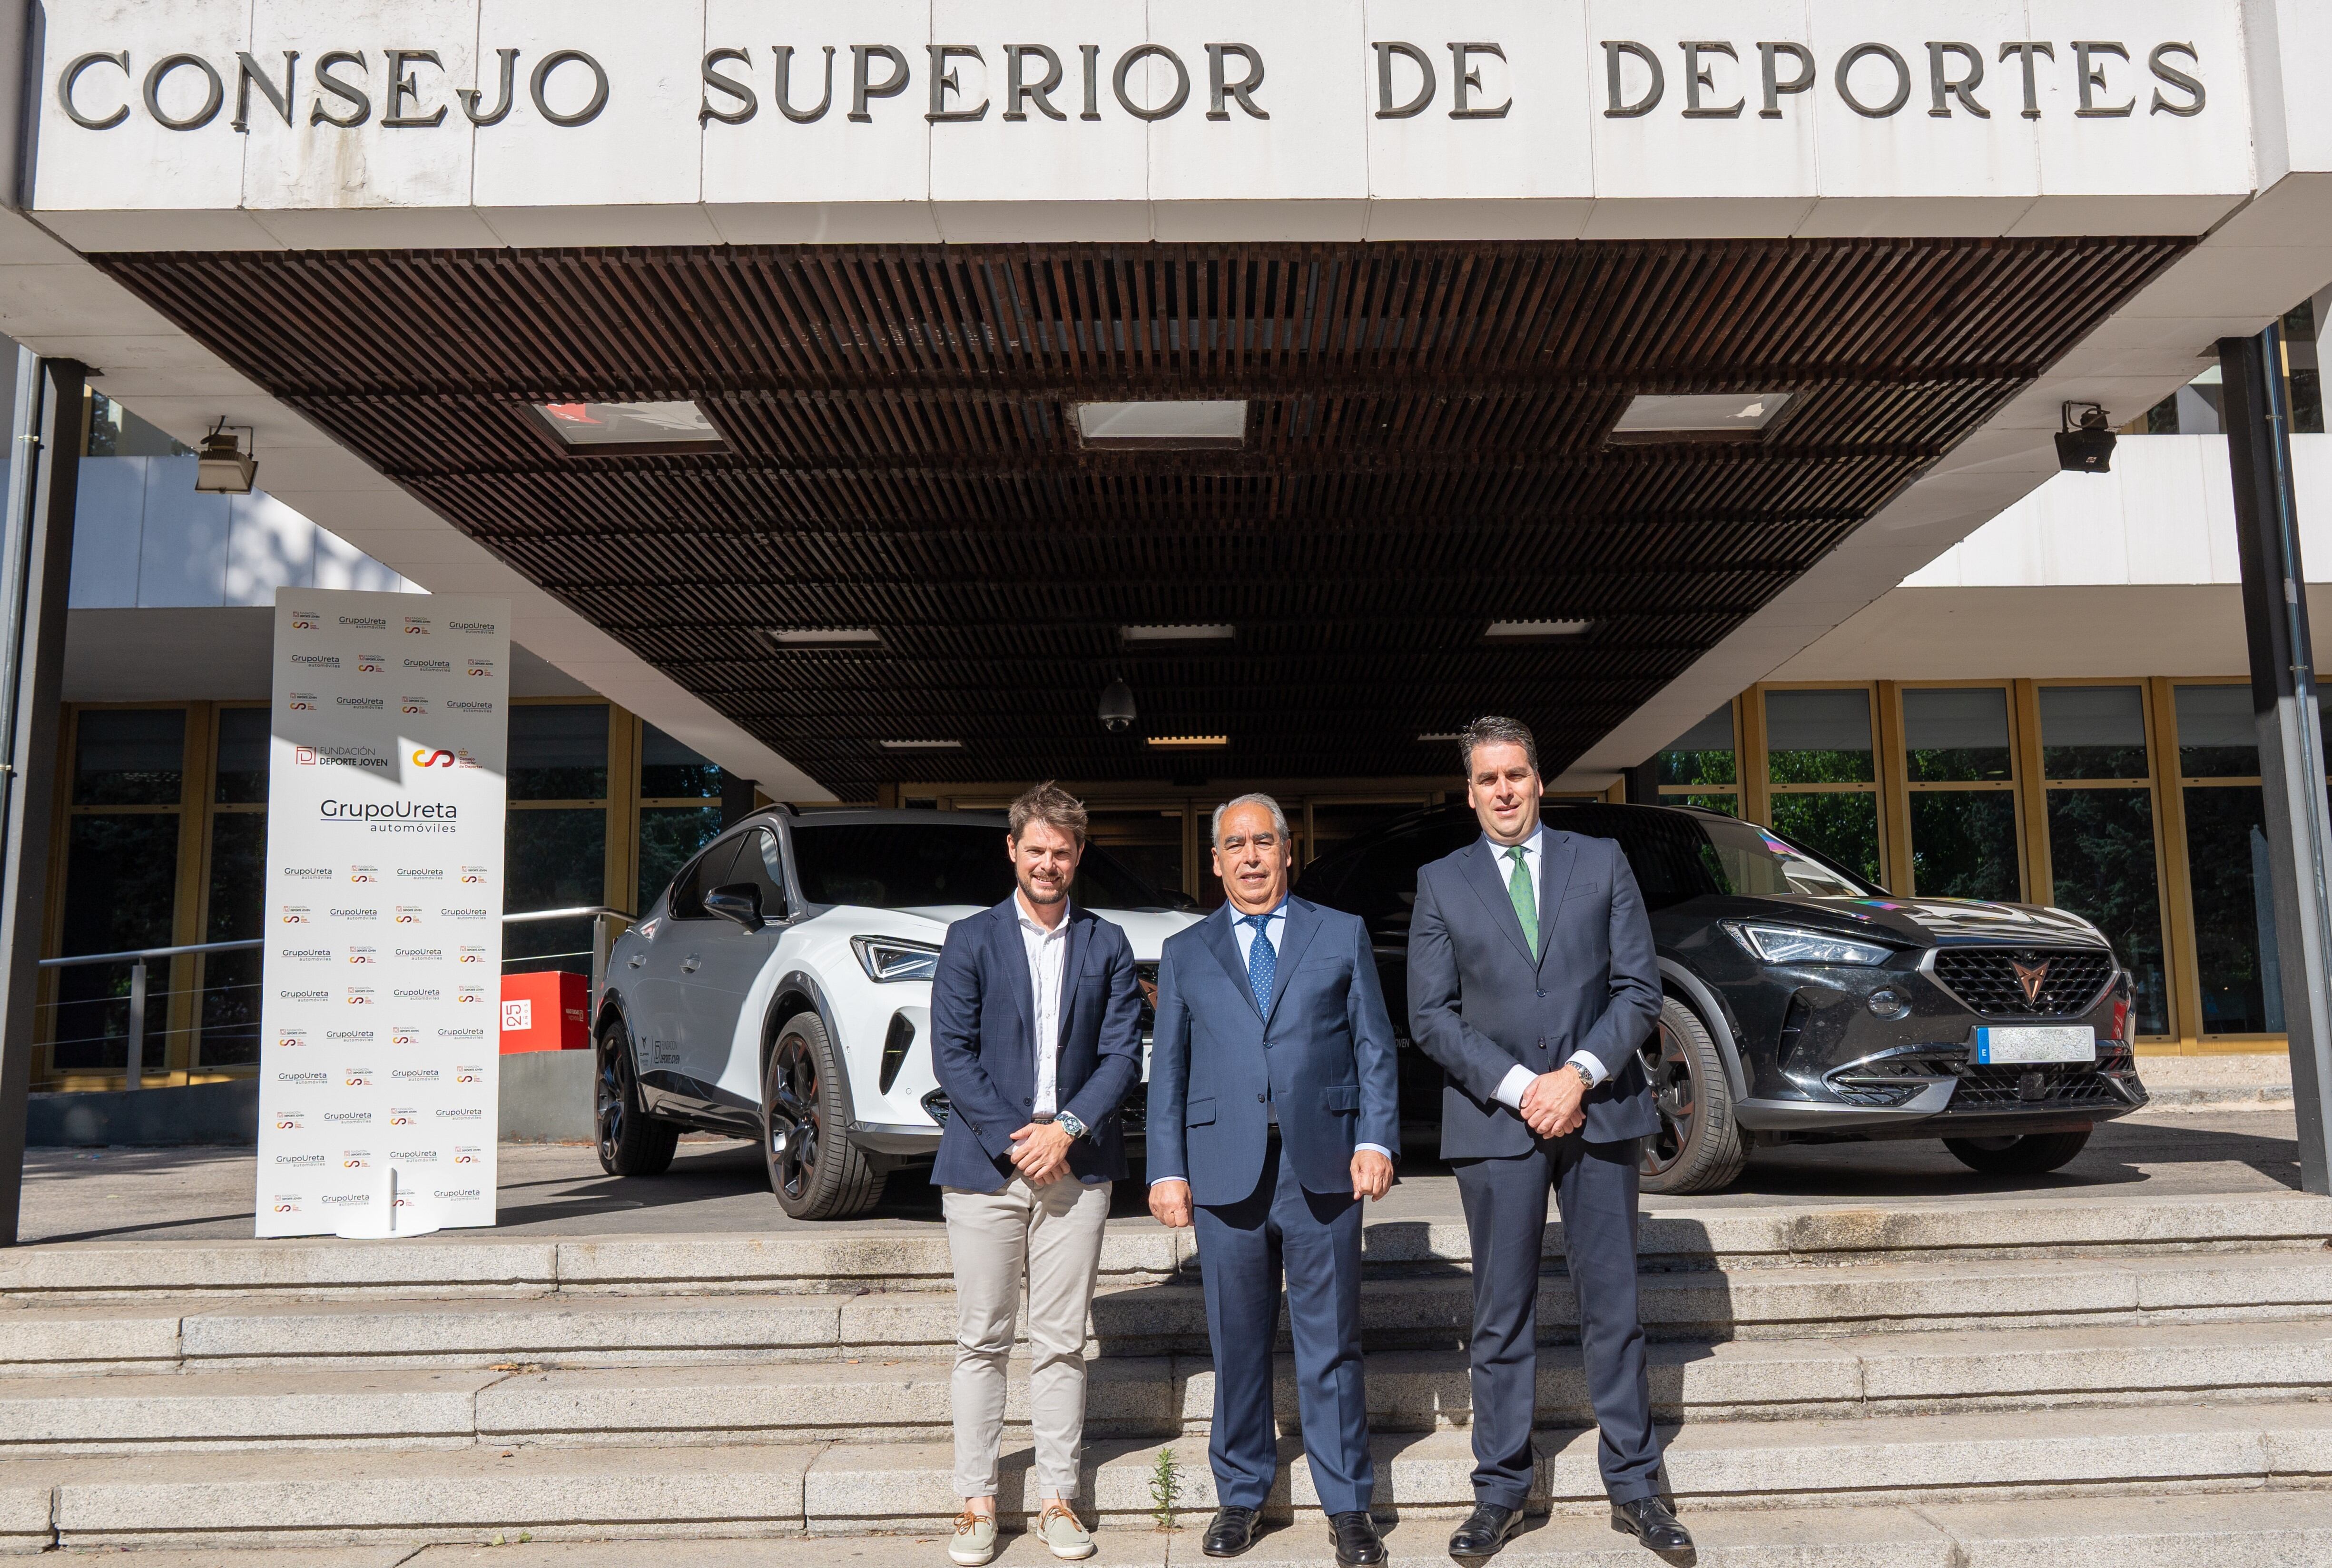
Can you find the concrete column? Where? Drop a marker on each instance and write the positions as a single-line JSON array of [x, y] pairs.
[[1643, 782], [35, 575], [2291, 743], [736, 799]]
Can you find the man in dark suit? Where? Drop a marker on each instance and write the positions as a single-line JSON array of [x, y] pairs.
[[1531, 980], [1036, 1039], [1274, 1111]]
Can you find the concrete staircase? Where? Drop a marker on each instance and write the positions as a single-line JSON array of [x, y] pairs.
[[1828, 1361]]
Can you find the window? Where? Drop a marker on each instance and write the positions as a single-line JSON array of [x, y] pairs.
[[1697, 768], [1957, 758], [2100, 814], [680, 808], [942, 865], [2227, 860], [120, 887], [226, 1018], [1825, 789], [556, 834]]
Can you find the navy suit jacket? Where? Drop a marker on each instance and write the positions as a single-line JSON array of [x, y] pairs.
[[1481, 1001], [1323, 1059], [983, 1027]]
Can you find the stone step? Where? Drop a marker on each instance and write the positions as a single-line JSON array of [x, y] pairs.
[[900, 1400], [1413, 1311], [2287, 1530], [1136, 1251], [2270, 1452]]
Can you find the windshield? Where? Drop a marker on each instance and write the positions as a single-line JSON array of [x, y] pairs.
[[917, 864], [1678, 854]]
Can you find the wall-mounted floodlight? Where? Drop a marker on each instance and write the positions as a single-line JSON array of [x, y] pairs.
[[2087, 447], [226, 466]]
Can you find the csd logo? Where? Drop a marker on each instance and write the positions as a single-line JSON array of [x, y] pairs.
[[404, 1037], [295, 920], [407, 919], [299, 706], [355, 1162], [413, 631], [362, 876], [417, 708], [466, 1159], [356, 1001], [465, 1077], [303, 622], [401, 1119], [360, 957], [287, 1209], [440, 758], [473, 958], [369, 665], [287, 1123], [471, 876]]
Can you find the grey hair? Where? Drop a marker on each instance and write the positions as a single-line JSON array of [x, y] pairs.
[[1491, 730], [1278, 817]]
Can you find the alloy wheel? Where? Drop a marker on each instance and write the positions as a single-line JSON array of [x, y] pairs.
[[615, 1091], [794, 1122], [1667, 1064]]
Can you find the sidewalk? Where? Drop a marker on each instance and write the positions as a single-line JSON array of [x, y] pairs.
[[717, 1186]]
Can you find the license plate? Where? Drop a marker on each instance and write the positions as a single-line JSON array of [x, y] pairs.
[[2035, 1043]]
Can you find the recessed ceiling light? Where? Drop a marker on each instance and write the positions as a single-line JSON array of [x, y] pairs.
[[920, 745], [1697, 417], [1193, 634], [825, 636], [1210, 425], [618, 429], [1438, 738], [1531, 631], [1187, 742]]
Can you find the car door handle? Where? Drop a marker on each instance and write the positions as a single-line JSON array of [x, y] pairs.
[[688, 965], [638, 959]]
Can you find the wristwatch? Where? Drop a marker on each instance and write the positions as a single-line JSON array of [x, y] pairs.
[[1586, 1079], [1069, 1121]]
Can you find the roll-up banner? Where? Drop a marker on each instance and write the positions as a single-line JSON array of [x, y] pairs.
[[382, 975]]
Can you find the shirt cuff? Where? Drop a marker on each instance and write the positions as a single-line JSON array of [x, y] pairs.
[[1517, 1081], [1592, 1062], [1373, 1149], [1185, 1180]]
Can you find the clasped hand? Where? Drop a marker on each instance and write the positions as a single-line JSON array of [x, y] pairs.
[[1551, 1105], [1169, 1200], [1040, 1151]]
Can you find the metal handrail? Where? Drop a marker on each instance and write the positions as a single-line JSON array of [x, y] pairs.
[[602, 938]]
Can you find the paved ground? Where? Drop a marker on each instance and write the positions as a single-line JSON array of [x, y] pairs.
[[558, 1190]]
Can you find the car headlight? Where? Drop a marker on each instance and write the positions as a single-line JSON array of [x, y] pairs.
[[1795, 944], [892, 958]]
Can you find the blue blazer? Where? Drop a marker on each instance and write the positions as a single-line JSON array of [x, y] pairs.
[[983, 1025], [1323, 1058], [1480, 1001]]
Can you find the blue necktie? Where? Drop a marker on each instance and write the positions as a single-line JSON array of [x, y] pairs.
[[1262, 963]]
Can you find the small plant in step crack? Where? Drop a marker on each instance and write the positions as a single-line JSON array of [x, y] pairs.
[[1165, 1481]]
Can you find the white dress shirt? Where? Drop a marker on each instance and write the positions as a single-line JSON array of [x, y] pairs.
[[1518, 1080], [1047, 951]]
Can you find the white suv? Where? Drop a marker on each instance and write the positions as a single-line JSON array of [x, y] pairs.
[[780, 989]]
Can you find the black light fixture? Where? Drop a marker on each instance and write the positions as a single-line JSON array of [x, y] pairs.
[[1117, 710], [2087, 447], [225, 466]]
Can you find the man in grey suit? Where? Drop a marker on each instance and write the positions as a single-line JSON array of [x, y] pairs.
[[1531, 980], [1274, 1111]]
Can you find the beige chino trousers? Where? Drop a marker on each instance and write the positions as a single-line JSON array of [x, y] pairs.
[[1048, 1238]]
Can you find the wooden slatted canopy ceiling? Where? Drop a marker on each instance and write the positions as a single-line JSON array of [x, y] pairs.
[[1427, 455]]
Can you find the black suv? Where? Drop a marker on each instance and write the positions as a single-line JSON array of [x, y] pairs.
[[1804, 1005]]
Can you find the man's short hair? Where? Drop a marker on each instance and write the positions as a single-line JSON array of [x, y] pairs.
[[1278, 817], [1051, 804], [1491, 730]]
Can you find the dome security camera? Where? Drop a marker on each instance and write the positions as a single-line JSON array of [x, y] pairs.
[[1117, 712]]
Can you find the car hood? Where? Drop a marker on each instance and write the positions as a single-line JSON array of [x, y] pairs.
[[1927, 921], [1145, 929]]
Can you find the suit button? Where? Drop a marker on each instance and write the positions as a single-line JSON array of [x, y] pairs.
[[1260, 1099], [1541, 993], [1029, 1104]]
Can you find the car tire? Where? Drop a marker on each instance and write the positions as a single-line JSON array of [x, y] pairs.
[[2033, 1154], [814, 1170], [631, 1141], [1698, 1147]]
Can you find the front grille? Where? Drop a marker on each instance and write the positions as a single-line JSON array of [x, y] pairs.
[[1895, 1078], [1992, 979]]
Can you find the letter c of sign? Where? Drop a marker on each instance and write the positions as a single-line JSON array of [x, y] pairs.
[[72, 74]]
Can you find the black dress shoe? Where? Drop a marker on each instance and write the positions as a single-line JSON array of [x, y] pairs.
[[1232, 1532], [1357, 1542], [1485, 1529], [1648, 1520]]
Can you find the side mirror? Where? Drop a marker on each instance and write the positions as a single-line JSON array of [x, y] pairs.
[[737, 901]]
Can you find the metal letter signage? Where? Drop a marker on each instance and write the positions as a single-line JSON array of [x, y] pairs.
[[382, 973]]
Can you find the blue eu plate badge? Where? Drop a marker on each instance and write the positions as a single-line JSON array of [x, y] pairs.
[[2033, 1043]]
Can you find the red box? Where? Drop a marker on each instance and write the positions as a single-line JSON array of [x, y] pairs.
[[548, 1010]]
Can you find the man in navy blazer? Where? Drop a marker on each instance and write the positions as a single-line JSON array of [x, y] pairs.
[[1036, 1039], [1533, 979], [1274, 1111]]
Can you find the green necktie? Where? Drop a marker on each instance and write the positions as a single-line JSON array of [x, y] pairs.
[[1518, 889]]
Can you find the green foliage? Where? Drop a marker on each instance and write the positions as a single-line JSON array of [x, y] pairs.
[[1165, 1481]]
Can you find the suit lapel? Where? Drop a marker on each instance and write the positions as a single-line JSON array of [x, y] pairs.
[[1070, 959], [1303, 923], [1015, 958], [1226, 948], [1485, 878], [1558, 855]]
